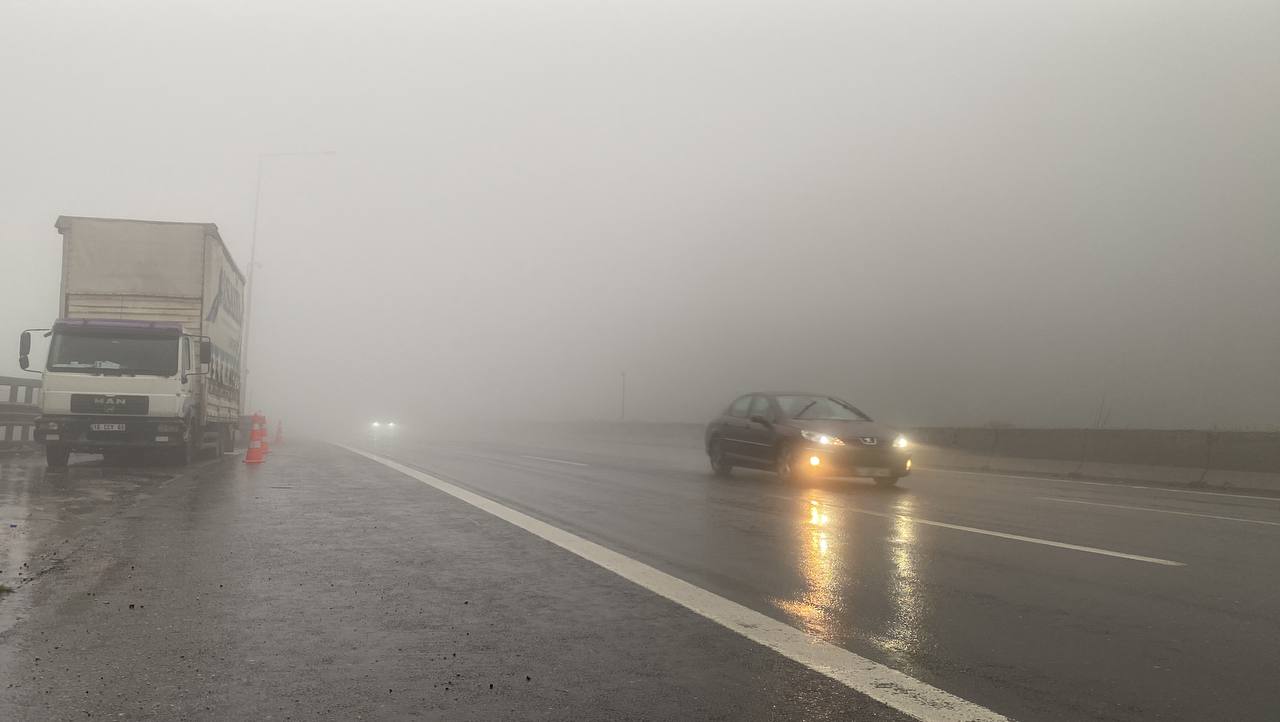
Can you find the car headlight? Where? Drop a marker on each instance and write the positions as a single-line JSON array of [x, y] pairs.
[[820, 438], [900, 442]]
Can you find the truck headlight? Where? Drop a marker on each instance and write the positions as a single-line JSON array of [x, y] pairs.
[[820, 438], [900, 442]]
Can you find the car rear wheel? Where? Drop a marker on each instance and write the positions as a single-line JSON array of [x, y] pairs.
[[720, 466], [884, 482]]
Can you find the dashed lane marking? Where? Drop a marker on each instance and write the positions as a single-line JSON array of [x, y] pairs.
[[997, 534], [554, 461], [1120, 485], [1161, 511]]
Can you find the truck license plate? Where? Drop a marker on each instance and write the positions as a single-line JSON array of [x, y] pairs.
[[106, 427]]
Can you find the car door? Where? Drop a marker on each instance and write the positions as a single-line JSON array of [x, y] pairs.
[[759, 436], [734, 427]]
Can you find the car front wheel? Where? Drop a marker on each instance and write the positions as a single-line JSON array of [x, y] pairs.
[[788, 470], [884, 482]]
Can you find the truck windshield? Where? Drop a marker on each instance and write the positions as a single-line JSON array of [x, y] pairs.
[[114, 354]]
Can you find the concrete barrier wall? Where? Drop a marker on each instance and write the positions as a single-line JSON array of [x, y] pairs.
[[18, 410], [1192, 458], [1244, 451], [1245, 460]]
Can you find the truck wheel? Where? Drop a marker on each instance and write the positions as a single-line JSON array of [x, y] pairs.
[[182, 455], [116, 458], [190, 449], [56, 456]]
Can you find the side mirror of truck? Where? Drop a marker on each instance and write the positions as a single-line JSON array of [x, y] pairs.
[[24, 350], [206, 352]]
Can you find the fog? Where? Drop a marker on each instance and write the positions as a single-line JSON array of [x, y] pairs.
[[949, 213]]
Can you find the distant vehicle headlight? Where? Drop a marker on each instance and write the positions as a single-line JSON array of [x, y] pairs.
[[820, 438], [900, 442]]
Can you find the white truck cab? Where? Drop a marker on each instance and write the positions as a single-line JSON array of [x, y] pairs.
[[114, 385]]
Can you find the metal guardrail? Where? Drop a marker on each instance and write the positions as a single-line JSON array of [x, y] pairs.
[[1244, 459], [19, 406]]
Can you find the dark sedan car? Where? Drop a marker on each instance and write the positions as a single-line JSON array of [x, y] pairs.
[[800, 435]]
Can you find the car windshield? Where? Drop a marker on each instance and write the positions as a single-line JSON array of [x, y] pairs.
[[819, 407], [115, 354]]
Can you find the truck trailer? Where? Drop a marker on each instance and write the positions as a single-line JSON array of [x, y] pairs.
[[145, 353]]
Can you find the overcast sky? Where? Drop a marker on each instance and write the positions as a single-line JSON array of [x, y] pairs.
[[950, 213]]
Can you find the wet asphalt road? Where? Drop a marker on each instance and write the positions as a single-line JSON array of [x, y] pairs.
[[322, 585]]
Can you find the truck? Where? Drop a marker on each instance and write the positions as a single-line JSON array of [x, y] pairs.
[[144, 357]]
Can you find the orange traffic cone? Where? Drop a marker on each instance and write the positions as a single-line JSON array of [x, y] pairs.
[[279, 433], [266, 448], [255, 454]]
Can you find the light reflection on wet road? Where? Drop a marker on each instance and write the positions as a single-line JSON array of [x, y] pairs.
[[903, 633], [817, 557]]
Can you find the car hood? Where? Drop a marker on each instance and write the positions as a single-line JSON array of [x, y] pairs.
[[848, 430]]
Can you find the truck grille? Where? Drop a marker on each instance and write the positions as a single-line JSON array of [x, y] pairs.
[[103, 404]]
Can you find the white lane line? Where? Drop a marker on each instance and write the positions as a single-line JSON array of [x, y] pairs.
[[1000, 534], [888, 686], [1019, 537], [554, 461], [1100, 483], [1161, 511]]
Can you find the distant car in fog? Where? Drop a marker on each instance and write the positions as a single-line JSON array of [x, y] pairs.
[[804, 435]]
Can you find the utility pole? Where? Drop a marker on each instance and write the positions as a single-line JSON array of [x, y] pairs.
[[253, 253]]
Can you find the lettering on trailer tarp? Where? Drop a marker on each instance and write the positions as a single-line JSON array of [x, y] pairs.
[[228, 296], [224, 372]]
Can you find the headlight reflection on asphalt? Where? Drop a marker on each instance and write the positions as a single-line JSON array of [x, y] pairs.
[[818, 560], [817, 516], [903, 631]]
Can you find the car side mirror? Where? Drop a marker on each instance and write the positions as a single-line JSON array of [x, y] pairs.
[[761, 420], [24, 350]]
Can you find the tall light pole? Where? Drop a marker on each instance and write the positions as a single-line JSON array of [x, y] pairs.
[[253, 253]]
